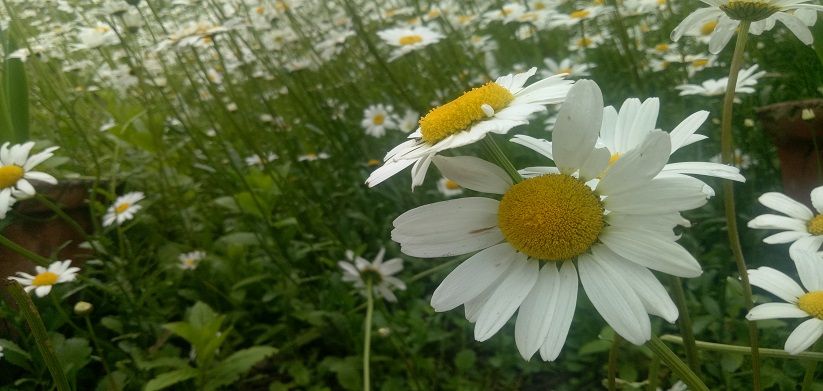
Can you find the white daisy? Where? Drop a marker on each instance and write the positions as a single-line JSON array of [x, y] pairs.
[[448, 188], [746, 81], [311, 156], [376, 119], [123, 208], [42, 282], [260, 161], [566, 66], [762, 13], [409, 39], [16, 171], [799, 303], [382, 274], [801, 227], [616, 232], [496, 107], [189, 261], [408, 123]]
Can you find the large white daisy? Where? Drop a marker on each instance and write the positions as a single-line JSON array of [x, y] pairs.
[[16, 171], [496, 107], [801, 227], [529, 240], [762, 13]]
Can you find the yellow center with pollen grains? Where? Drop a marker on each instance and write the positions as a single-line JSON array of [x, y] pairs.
[[749, 10], [661, 47], [812, 303], [410, 39], [45, 278], [459, 114], [815, 225], [579, 14], [552, 217], [700, 63], [9, 175], [451, 185], [122, 207], [708, 27], [378, 119]]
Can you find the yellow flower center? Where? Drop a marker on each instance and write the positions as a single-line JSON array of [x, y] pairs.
[[579, 14], [815, 225], [708, 27], [750, 10], [451, 185], [410, 39], [101, 29], [700, 63], [122, 207], [812, 303], [433, 14], [539, 6], [260, 10], [551, 217], [190, 262], [9, 175], [584, 42], [45, 278], [373, 162], [564, 70], [661, 47], [459, 114], [528, 16], [378, 119]]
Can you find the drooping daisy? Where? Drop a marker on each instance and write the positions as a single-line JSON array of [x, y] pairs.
[[357, 270], [530, 240], [123, 208], [42, 282], [799, 303], [746, 81], [763, 14], [496, 107], [16, 171], [377, 118], [800, 226], [189, 261], [407, 40]]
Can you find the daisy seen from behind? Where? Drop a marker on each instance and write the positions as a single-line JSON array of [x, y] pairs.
[[16, 166], [530, 240], [496, 107], [801, 227], [358, 270], [799, 302], [123, 208], [45, 278], [763, 14]]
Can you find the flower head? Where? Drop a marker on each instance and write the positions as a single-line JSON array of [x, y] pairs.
[[376, 119], [123, 208], [495, 107], [16, 171], [530, 241], [42, 282], [407, 40], [801, 227], [357, 270], [189, 261]]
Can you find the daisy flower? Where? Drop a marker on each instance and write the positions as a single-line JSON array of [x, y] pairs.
[[496, 107], [799, 303], [260, 161], [189, 261], [408, 123], [16, 171], [376, 119], [801, 227], [448, 188], [746, 81], [763, 14], [409, 39], [530, 241], [123, 208], [382, 274], [566, 65], [310, 157], [42, 282]]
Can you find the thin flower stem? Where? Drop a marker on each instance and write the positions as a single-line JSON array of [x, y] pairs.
[[685, 323], [811, 368], [764, 352], [112, 384], [497, 155], [728, 193], [653, 378], [676, 364], [4, 241], [612, 379], [367, 337]]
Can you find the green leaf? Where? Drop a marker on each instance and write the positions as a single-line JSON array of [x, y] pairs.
[[230, 369], [730, 362], [184, 330], [201, 315], [170, 378], [112, 324], [465, 359], [238, 238], [15, 355], [16, 91], [73, 354]]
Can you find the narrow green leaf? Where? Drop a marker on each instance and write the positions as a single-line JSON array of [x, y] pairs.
[[230, 369], [170, 378]]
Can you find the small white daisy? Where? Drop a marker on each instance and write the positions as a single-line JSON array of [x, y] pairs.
[[123, 208], [448, 188], [310, 157], [189, 261], [746, 81], [408, 123], [16, 171], [407, 40], [377, 118], [801, 227], [260, 161], [382, 274], [42, 282]]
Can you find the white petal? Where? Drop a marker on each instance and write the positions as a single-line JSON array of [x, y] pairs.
[[785, 237], [682, 133], [541, 146], [655, 252], [660, 195], [796, 26], [783, 204], [650, 291], [775, 311], [770, 221], [716, 170], [817, 199], [577, 126], [776, 283], [597, 162], [563, 313], [472, 277], [809, 267], [637, 166], [474, 173], [537, 311], [806, 334], [387, 170], [505, 300]]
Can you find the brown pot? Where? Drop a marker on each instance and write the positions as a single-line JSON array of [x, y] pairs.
[[794, 140]]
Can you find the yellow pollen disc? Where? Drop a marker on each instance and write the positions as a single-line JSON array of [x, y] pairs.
[[507, 11], [101, 29], [579, 14], [708, 27], [552, 217], [451, 185], [433, 13], [190, 262], [528, 16], [122, 207], [9, 175], [45, 278], [410, 39], [207, 39], [584, 42], [539, 6], [260, 10], [373, 162], [750, 10], [700, 63], [459, 114], [661, 2], [564, 70], [815, 225], [812, 303], [378, 119], [661, 47]]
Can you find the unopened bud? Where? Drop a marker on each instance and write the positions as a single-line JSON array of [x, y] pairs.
[[807, 114], [83, 308]]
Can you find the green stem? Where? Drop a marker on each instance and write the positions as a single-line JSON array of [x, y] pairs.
[[654, 378], [497, 155], [764, 352], [685, 323], [367, 337], [676, 364], [112, 384], [728, 193], [612, 379], [41, 336], [4, 241]]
